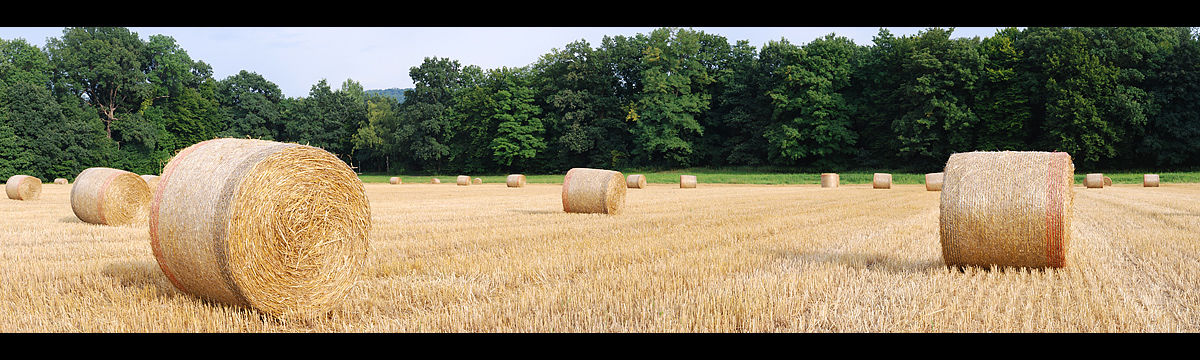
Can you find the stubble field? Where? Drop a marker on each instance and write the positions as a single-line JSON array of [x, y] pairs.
[[718, 258]]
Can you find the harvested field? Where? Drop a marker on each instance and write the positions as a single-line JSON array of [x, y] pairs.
[[718, 258]]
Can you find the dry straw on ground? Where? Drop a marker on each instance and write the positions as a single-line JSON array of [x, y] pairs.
[[882, 181], [687, 181], [61, 181], [1150, 180], [280, 228], [1007, 209], [593, 191], [108, 196], [829, 180], [464, 180], [933, 181], [636, 181], [394, 180], [1094, 181], [23, 187], [515, 180]]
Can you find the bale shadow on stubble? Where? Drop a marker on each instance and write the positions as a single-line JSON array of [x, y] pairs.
[[873, 261], [70, 220], [141, 274], [534, 212]]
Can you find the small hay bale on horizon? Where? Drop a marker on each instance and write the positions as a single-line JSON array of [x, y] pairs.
[[395, 180], [151, 181], [476, 181], [830, 180], [1107, 181], [882, 181], [636, 181], [435, 181], [23, 187], [1150, 180], [687, 181], [933, 181], [1093, 181], [107, 196], [593, 191], [61, 181], [464, 180], [515, 181]]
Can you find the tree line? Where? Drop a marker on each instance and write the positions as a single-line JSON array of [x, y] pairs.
[[1114, 98]]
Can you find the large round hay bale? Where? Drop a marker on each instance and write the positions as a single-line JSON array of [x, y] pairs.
[[1107, 181], [464, 180], [23, 187], [515, 180], [829, 180], [61, 181], [882, 181], [593, 191], [933, 181], [108, 196], [1093, 181], [1007, 209], [476, 181], [280, 228], [687, 181], [636, 181], [151, 181], [435, 181], [1150, 180], [395, 180]]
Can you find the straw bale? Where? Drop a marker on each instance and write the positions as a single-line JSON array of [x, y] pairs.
[[61, 181], [1107, 181], [593, 191], [107, 196], [933, 181], [394, 180], [1007, 209], [1094, 181], [687, 181], [636, 181], [515, 180], [23, 187], [435, 181], [151, 181], [882, 181], [280, 228], [476, 181], [830, 180], [464, 180], [1150, 180]]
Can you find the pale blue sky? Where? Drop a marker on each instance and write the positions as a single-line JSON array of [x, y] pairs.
[[297, 58]]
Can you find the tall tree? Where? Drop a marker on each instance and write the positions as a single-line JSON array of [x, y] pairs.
[[673, 95], [104, 66], [251, 106]]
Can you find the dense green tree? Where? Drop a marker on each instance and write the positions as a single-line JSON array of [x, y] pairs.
[[1001, 102], [739, 111], [104, 66], [372, 141], [23, 62], [251, 107], [428, 123], [674, 79], [1172, 135]]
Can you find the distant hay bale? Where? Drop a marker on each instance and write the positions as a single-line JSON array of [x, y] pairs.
[[829, 180], [593, 191], [882, 181], [1093, 181], [23, 187], [107, 196], [394, 180], [464, 180], [636, 181], [1107, 181], [476, 181], [151, 181], [276, 227], [515, 180], [1150, 180], [435, 181], [61, 181], [687, 181], [933, 181], [1007, 209]]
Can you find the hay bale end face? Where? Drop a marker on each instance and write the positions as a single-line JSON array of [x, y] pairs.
[[108, 196], [1150, 180], [277, 227], [593, 191], [882, 181], [61, 181], [933, 181], [23, 187], [636, 181], [464, 180], [476, 181], [435, 181], [515, 181], [1093, 181], [829, 180], [1007, 208], [1107, 181], [687, 181]]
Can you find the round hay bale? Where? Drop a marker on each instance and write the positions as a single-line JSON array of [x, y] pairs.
[[464, 180], [435, 181], [687, 181], [61, 181], [933, 181], [280, 228], [108, 196], [636, 181], [476, 181], [593, 191], [1007, 209], [882, 181], [515, 180], [1150, 180], [394, 180], [829, 180], [1094, 181], [23, 187], [151, 181], [1107, 181]]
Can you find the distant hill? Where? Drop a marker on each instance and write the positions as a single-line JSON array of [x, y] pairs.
[[395, 93]]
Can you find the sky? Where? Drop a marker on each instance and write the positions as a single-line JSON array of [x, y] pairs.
[[296, 58]]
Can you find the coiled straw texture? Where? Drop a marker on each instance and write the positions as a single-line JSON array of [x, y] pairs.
[[23, 187], [108, 196], [280, 228], [593, 191], [151, 181], [636, 181], [1007, 208]]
